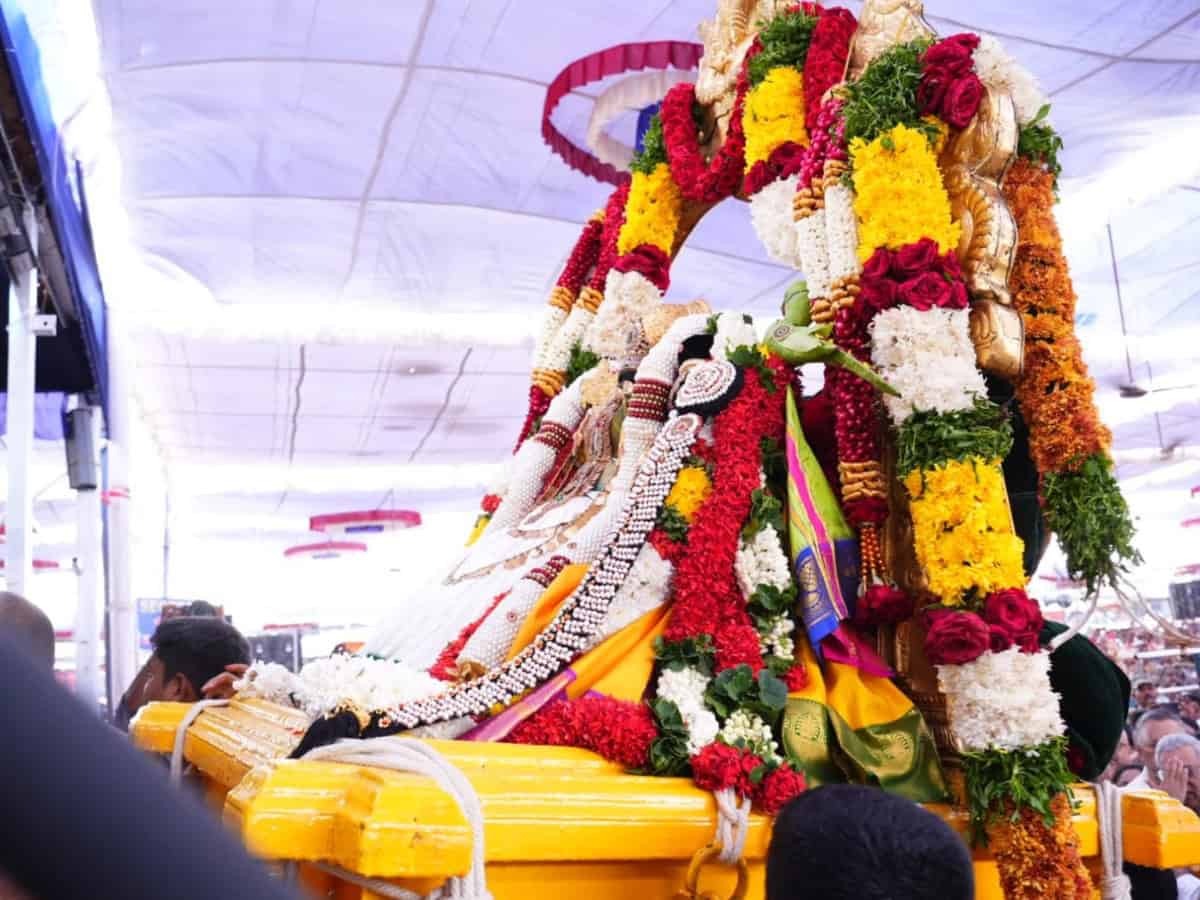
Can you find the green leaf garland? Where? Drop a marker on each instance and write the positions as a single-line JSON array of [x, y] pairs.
[[654, 149], [930, 439], [1005, 782], [785, 41], [886, 95]]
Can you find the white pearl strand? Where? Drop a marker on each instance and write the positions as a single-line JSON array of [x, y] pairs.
[[535, 460], [584, 611]]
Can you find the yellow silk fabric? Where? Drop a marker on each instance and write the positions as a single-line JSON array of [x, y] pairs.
[[621, 666]]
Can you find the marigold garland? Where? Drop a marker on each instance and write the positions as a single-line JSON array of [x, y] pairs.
[[962, 530], [1037, 861], [774, 115], [652, 212], [900, 195]]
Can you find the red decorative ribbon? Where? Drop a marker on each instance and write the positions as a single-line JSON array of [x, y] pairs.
[[613, 61]]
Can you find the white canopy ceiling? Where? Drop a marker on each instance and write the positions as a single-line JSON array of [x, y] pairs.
[[328, 228]]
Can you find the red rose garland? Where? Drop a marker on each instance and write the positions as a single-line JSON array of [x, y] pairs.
[[697, 181], [614, 220], [621, 732], [949, 87], [826, 61], [707, 599]]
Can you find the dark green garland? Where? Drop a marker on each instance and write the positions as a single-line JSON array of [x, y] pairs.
[[886, 95], [1001, 782], [1040, 144], [581, 361], [785, 41], [930, 439], [654, 149]]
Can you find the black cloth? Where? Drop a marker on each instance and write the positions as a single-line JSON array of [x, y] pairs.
[[1151, 884], [86, 815]]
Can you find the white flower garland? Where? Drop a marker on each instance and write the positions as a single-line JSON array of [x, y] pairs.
[[761, 560], [1003, 74], [928, 357], [812, 242], [685, 688], [617, 330], [732, 332], [841, 232], [325, 685], [1002, 701], [754, 734], [772, 217], [558, 353], [552, 321]]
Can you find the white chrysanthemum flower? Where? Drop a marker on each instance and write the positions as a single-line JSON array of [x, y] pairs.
[[772, 217], [761, 561], [683, 687], [928, 357], [703, 729], [733, 331], [617, 329], [1002, 73], [1002, 701]]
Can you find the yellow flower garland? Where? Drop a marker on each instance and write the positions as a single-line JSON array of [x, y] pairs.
[[774, 114], [689, 492], [963, 529], [901, 198], [651, 212]]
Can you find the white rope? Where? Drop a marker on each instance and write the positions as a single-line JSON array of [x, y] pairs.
[[1078, 626], [733, 824], [404, 754], [181, 734], [1172, 633], [374, 885], [1114, 883]]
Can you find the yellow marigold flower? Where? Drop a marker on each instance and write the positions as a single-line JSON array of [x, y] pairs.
[[963, 529], [689, 492], [774, 114], [900, 196], [651, 212]]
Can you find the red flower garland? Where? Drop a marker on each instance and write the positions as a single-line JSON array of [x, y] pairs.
[[786, 160], [445, 667], [650, 262], [949, 87], [583, 256], [718, 767], [697, 181], [621, 732], [614, 221], [826, 61], [707, 598], [539, 405]]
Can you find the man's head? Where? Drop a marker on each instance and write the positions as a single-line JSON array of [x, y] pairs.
[[27, 627], [1183, 749], [1145, 693], [845, 842], [188, 651], [1151, 728], [1189, 706]]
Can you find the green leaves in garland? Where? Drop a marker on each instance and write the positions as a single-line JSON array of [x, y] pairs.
[[1040, 143], [929, 439], [581, 361], [669, 752], [737, 688], [654, 150], [674, 525], [886, 95], [1004, 782], [690, 653], [747, 357], [1086, 510], [765, 512], [785, 41]]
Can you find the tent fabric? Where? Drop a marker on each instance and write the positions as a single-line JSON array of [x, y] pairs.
[[361, 194]]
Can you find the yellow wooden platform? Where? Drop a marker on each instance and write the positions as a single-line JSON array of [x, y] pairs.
[[559, 822]]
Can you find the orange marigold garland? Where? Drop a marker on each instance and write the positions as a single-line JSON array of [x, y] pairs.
[[1068, 442], [1036, 860]]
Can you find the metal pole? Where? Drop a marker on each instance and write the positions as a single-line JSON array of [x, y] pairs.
[[122, 611], [22, 358], [90, 537]]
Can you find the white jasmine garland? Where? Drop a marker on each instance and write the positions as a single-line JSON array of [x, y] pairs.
[[552, 321], [325, 685], [772, 217], [814, 253], [841, 232], [753, 734], [685, 688], [761, 560], [928, 357], [617, 329], [1002, 701], [777, 641], [1003, 74], [558, 353], [733, 331]]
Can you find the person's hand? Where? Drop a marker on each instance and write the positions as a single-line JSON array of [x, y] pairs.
[[1175, 779], [221, 686]]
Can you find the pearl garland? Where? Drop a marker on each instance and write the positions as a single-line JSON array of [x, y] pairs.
[[489, 645], [581, 615]]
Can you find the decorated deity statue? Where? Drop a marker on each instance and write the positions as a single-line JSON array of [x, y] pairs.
[[692, 568]]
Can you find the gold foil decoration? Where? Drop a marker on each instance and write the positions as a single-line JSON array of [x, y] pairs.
[[974, 162], [656, 323], [725, 44], [881, 25], [998, 334]]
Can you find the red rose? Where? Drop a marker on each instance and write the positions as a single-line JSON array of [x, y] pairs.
[[952, 54], [916, 259], [951, 267], [780, 788], [956, 638], [926, 291], [1013, 611], [650, 262], [883, 605], [879, 265], [1028, 642], [717, 766], [931, 92], [1000, 639], [962, 100], [875, 295], [959, 299]]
